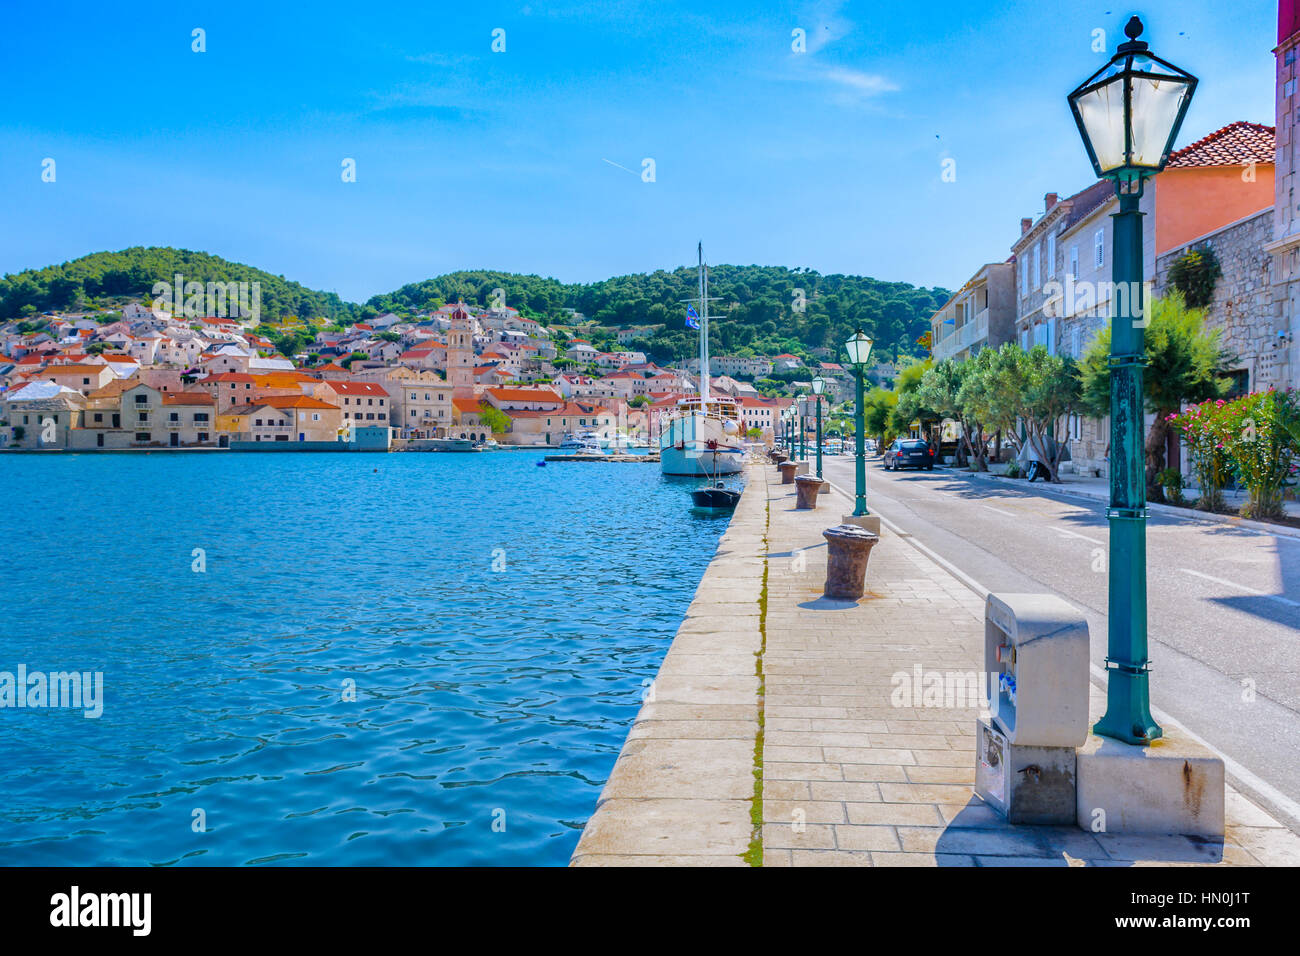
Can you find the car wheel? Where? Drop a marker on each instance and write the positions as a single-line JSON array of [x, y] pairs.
[[929, 467]]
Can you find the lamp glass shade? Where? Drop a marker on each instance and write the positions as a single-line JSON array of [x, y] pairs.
[[858, 347], [818, 385], [1129, 112]]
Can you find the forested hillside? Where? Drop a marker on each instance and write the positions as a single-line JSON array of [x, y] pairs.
[[105, 279], [763, 310]]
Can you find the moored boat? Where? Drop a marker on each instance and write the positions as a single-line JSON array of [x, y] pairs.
[[716, 497], [701, 436]]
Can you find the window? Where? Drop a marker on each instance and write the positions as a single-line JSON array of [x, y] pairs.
[[1074, 261], [141, 398], [1024, 278], [315, 416], [1051, 255], [174, 417], [99, 416], [203, 436], [143, 436], [413, 413], [1076, 341], [1099, 248], [143, 417], [1038, 265], [200, 417]]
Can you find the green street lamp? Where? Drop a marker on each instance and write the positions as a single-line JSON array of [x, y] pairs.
[[1128, 114], [859, 348], [798, 398], [819, 386]]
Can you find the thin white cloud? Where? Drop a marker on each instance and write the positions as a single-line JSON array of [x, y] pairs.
[[859, 82]]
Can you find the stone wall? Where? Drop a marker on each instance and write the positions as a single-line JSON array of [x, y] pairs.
[[1242, 304]]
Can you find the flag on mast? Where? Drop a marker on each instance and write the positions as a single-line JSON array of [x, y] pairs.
[[692, 318]]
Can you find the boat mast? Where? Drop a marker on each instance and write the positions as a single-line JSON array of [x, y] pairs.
[[704, 333]]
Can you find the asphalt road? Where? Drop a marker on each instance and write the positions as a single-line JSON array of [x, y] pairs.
[[1224, 602]]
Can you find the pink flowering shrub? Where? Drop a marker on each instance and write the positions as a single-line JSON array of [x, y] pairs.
[[1257, 435]]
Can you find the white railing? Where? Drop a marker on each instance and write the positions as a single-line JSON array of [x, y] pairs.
[[976, 330]]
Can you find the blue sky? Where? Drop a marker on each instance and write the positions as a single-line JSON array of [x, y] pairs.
[[466, 158]]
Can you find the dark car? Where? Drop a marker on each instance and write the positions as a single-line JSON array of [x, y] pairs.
[[909, 453]]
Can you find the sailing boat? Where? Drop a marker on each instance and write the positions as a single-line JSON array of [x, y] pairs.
[[701, 435]]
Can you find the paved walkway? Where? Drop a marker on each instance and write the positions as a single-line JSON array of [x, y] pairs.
[[847, 778]]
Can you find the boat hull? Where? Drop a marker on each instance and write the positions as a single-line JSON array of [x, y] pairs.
[[697, 446]]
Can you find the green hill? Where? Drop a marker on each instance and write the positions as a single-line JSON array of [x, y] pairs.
[[763, 312], [766, 310], [110, 278]]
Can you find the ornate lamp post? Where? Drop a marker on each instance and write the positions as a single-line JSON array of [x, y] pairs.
[[859, 347], [819, 386], [1128, 114], [804, 454]]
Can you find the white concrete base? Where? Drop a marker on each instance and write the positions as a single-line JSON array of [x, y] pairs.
[[1170, 786], [869, 522], [800, 468], [826, 489]]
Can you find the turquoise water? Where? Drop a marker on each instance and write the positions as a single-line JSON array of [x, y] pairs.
[[490, 704]]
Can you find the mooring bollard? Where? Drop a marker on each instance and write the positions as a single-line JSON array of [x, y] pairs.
[[808, 487], [779, 456], [848, 548], [787, 471]]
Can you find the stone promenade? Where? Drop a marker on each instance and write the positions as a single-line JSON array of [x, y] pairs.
[[768, 680]]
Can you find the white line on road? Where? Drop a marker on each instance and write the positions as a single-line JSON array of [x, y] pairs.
[[1006, 514], [1065, 533], [1241, 587]]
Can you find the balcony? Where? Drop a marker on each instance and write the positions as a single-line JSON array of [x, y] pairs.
[[963, 337]]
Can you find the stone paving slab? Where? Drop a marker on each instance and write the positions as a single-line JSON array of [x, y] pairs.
[[850, 775], [903, 775], [682, 790]]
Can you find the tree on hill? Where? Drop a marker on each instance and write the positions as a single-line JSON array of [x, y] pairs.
[[132, 273]]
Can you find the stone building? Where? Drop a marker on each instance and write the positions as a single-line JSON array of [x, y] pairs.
[[1284, 357], [1242, 306]]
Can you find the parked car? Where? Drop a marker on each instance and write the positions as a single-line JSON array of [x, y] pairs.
[[909, 453]]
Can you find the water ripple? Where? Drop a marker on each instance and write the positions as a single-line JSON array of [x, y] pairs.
[[349, 653]]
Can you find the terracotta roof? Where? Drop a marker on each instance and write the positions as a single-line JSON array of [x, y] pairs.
[[187, 398], [1237, 144], [357, 388], [466, 404]]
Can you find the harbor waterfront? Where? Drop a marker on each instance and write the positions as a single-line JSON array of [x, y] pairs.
[[331, 659]]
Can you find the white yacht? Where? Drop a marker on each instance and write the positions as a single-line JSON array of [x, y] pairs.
[[701, 436]]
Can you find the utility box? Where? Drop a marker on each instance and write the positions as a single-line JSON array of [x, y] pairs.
[[1036, 665]]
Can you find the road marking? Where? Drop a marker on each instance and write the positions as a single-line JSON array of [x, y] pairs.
[[1006, 514], [1066, 533], [1241, 587]]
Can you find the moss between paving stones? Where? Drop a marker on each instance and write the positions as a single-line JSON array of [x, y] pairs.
[[754, 855]]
